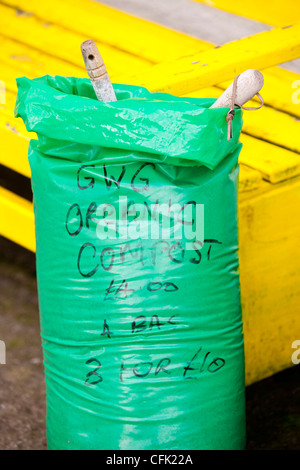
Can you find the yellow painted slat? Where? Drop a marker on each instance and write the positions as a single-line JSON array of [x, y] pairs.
[[274, 163], [107, 25], [14, 138], [249, 179], [54, 40], [207, 92], [14, 146], [7, 109], [273, 126], [269, 227], [272, 12], [17, 59], [17, 219], [204, 69]]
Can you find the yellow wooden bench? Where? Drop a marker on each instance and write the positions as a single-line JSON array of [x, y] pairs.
[[44, 37]]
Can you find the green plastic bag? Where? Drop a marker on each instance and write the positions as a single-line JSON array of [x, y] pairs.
[[137, 265]]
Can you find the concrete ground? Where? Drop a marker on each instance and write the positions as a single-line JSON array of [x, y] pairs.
[[273, 406]]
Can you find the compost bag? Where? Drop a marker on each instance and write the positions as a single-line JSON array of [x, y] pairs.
[[135, 207]]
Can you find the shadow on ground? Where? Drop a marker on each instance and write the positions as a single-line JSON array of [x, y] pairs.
[[273, 405]]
